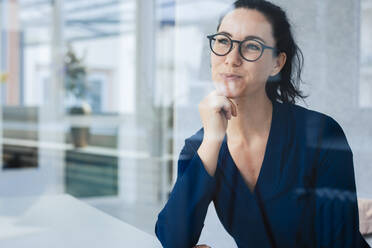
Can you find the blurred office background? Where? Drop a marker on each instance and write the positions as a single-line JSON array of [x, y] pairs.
[[97, 96]]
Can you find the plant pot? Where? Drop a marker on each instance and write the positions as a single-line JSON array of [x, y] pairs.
[[80, 135]]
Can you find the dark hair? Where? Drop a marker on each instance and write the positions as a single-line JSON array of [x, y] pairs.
[[285, 85]]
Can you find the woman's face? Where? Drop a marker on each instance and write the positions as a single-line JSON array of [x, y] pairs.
[[235, 77]]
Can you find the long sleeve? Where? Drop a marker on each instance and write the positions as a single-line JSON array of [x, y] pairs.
[[336, 213], [180, 222]]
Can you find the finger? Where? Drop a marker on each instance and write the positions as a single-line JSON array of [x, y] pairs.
[[218, 88], [226, 114], [234, 111], [227, 108]]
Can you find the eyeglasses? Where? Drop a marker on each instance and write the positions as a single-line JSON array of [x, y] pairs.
[[250, 49]]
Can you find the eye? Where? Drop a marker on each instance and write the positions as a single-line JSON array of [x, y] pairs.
[[252, 47], [222, 41]]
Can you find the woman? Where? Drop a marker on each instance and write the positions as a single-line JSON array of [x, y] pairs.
[[278, 174]]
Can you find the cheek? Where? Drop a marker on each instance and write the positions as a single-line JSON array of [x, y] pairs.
[[216, 61], [260, 71], [266, 66]]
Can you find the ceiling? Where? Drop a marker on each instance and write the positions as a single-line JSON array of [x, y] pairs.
[[93, 19], [84, 19]]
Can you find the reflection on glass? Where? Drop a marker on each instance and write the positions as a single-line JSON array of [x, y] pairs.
[[366, 54], [25, 62], [75, 107]]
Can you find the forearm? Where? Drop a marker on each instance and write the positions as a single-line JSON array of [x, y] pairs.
[[208, 153], [181, 221]]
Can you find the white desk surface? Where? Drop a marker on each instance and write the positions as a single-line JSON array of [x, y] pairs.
[[64, 221]]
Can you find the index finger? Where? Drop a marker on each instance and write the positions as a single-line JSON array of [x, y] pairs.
[[233, 107]]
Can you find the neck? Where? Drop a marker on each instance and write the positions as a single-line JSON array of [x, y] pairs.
[[253, 119]]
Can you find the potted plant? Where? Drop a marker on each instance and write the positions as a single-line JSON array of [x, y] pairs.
[[76, 89]]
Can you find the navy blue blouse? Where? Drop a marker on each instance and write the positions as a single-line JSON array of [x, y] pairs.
[[305, 194]]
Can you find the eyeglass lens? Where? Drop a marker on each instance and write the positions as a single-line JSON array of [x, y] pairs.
[[222, 45]]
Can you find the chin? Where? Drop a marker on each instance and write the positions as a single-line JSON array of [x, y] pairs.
[[233, 96], [228, 90]]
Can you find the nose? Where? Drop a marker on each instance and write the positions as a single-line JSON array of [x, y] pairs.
[[233, 57]]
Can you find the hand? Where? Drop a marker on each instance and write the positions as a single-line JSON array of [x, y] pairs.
[[202, 246], [215, 111]]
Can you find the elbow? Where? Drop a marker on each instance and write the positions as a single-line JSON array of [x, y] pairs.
[[164, 236], [169, 238]]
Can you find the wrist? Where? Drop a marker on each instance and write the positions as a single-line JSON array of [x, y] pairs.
[[213, 138]]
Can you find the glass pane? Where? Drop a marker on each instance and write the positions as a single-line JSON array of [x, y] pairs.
[[94, 112], [98, 96], [25, 80], [366, 54], [118, 105], [336, 54]]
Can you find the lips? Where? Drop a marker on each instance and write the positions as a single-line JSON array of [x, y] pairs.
[[230, 76]]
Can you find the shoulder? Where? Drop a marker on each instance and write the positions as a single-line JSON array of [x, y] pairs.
[[189, 150], [307, 116], [192, 143], [196, 138], [317, 127]]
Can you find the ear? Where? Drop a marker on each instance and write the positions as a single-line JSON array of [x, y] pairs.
[[279, 63]]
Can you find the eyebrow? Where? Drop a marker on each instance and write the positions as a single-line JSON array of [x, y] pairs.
[[247, 37]]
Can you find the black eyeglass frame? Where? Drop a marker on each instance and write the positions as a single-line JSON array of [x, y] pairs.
[[211, 38]]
